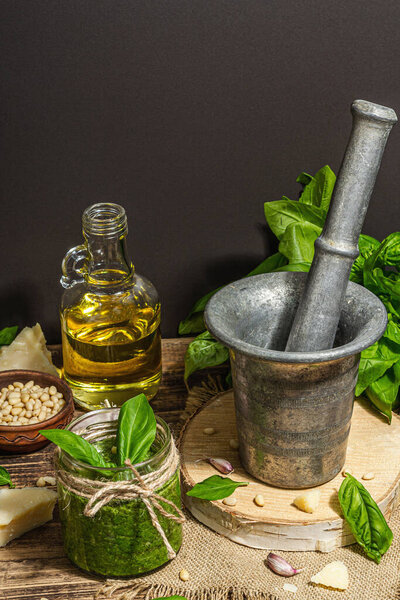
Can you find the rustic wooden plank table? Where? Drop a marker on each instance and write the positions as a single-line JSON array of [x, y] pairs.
[[35, 566]]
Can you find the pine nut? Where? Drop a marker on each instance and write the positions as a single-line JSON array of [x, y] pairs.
[[209, 431], [184, 575], [41, 482], [50, 480], [230, 501], [29, 384], [16, 411], [259, 500], [18, 384], [368, 476], [52, 390]]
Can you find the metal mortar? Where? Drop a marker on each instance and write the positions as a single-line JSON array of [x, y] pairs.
[[293, 409]]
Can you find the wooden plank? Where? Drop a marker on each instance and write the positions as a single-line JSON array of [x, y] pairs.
[[34, 566], [279, 524]]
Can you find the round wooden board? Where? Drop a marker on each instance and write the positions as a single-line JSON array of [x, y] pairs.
[[374, 446]]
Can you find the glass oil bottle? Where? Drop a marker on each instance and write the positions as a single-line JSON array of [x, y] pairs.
[[110, 316]]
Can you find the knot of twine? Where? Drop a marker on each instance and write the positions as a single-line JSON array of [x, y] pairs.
[[143, 487]]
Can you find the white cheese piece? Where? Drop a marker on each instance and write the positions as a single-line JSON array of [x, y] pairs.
[[290, 587], [308, 501], [23, 509], [333, 575], [28, 351]]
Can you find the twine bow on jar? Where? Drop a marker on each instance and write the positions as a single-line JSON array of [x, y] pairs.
[[143, 487]]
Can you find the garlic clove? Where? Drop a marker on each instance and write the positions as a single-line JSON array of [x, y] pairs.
[[222, 465], [280, 566]]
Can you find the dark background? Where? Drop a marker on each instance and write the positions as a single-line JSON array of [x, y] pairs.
[[190, 114]]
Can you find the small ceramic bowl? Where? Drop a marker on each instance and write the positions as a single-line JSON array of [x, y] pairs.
[[26, 438]]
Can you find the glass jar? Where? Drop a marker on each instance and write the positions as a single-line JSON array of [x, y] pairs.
[[120, 540], [110, 316]]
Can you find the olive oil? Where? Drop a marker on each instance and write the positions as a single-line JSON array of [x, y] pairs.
[[110, 352], [110, 316]]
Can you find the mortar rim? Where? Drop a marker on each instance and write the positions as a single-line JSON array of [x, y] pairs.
[[360, 343]]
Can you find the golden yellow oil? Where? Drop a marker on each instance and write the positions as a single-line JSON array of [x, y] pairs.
[[111, 349]]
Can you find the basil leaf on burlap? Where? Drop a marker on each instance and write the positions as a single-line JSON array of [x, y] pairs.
[[364, 517], [215, 488]]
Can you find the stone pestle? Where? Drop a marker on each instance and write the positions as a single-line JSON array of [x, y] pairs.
[[317, 316]]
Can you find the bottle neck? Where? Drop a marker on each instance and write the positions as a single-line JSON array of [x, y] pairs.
[[105, 229], [108, 262]]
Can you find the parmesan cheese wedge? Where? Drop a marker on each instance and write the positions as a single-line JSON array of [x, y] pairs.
[[28, 351], [23, 509], [308, 501], [334, 575]]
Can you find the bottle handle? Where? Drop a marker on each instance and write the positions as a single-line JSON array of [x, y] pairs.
[[73, 266]]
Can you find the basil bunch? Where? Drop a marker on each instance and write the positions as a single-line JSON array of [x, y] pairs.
[[297, 224], [136, 433]]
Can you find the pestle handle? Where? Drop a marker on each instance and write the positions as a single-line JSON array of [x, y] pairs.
[[317, 317]]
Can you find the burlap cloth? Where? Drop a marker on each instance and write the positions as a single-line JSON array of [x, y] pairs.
[[220, 569]]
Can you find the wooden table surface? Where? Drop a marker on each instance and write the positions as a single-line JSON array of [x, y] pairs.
[[35, 566]]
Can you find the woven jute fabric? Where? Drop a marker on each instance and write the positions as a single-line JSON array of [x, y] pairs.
[[219, 569]]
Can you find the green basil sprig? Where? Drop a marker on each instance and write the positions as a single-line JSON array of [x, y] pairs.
[[215, 488], [7, 335], [364, 517], [75, 446], [5, 478], [136, 430], [136, 433]]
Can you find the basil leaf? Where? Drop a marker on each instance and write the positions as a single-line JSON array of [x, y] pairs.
[[204, 352], [192, 324], [271, 263], [298, 267], [383, 392], [215, 488], [374, 362], [366, 246], [280, 213], [76, 446], [297, 243], [7, 335], [137, 429], [364, 517], [318, 189], [5, 478]]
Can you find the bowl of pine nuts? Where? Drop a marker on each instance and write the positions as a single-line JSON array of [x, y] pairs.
[[31, 401]]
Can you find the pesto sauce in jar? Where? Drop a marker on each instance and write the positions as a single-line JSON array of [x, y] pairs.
[[120, 540]]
